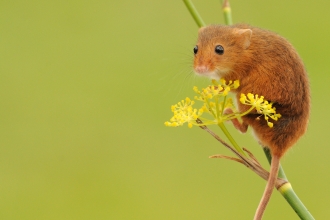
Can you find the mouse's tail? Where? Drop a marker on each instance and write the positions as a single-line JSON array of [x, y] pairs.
[[269, 187]]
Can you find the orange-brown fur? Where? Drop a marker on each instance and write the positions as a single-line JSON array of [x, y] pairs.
[[265, 64]]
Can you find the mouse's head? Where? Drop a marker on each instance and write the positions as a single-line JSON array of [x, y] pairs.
[[218, 49]]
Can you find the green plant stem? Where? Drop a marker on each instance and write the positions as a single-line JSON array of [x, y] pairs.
[[231, 139], [227, 12], [194, 13], [291, 197], [289, 194], [281, 173]]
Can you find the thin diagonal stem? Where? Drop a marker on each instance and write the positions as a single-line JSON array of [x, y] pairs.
[[194, 13], [231, 139]]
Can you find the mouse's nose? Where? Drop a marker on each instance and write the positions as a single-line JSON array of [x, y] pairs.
[[201, 69]]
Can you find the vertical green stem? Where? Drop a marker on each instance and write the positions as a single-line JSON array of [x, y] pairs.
[[281, 173], [227, 12], [194, 13]]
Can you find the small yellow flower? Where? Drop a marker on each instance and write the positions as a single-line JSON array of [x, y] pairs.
[[226, 90], [236, 84], [222, 81], [262, 106], [231, 84], [184, 112], [270, 124], [218, 88]]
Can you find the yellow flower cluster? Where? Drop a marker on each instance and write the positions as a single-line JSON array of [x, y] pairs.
[[262, 106], [184, 112], [216, 89], [215, 101]]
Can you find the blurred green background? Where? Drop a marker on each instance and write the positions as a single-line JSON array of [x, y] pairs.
[[85, 87]]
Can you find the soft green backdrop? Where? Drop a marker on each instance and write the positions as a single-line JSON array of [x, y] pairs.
[[85, 87]]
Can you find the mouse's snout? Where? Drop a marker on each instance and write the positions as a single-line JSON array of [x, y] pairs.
[[200, 69], [206, 71]]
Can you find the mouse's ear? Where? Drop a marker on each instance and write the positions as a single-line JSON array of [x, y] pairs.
[[244, 36]]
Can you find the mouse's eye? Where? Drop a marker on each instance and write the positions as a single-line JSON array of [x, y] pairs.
[[219, 49], [195, 49]]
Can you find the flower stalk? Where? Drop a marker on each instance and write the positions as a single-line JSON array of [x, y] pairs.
[[230, 138]]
